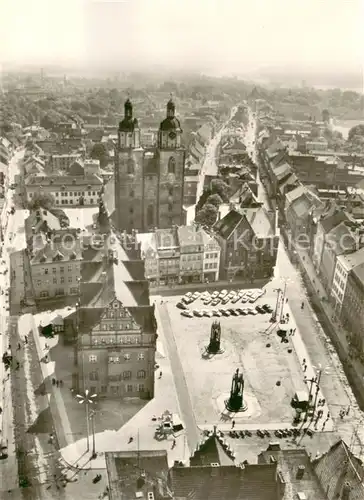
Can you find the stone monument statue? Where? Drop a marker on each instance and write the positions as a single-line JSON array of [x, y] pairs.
[[215, 338], [235, 402]]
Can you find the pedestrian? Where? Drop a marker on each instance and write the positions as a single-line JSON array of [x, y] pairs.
[[160, 374], [53, 381], [323, 425], [348, 410], [57, 383], [61, 383], [304, 361], [46, 346], [25, 339], [233, 424], [19, 347], [286, 301], [17, 365], [305, 368], [173, 443]]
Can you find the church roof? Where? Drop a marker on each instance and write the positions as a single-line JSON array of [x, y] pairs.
[[170, 123]]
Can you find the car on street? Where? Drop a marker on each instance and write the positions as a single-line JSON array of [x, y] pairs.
[[252, 311], [187, 300], [181, 305], [215, 294], [231, 294], [242, 311], [225, 300], [244, 299], [197, 313], [267, 308], [236, 299], [260, 293], [233, 312], [253, 298], [260, 310], [225, 312], [208, 314], [216, 312], [196, 295], [215, 302], [207, 301], [188, 295], [223, 294], [187, 314]]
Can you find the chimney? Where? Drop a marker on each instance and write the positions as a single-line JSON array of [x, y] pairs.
[[300, 472]]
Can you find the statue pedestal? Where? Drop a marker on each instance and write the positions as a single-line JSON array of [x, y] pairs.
[[236, 404], [214, 348]]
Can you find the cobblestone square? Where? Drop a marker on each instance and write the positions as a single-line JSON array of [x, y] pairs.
[[244, 340]]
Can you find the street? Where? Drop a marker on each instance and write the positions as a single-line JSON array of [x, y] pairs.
[[320, 349]]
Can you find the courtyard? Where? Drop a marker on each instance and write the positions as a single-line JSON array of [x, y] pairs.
[[272, 370]]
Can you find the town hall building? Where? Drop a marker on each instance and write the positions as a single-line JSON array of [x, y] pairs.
[[149, 182]]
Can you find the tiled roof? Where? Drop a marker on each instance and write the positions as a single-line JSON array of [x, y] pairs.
[[41, 220], [336, 468], [211, 451], [63, 246], [167, 238], [282, 171], [341, 239], [328, 223], [189, 235], [259, 222], [225, 226], [251, 482], [63, 180], [133, 472]]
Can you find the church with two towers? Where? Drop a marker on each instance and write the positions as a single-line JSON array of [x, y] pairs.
[[149, 181]]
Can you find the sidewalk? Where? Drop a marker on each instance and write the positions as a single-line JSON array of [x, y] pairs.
[[353, 368]]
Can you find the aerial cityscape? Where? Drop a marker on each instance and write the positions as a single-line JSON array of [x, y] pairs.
[[182, 258]]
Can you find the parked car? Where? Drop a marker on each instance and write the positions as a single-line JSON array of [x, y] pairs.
[[232, 294], [215, 294], [225, 312], [252, 311], [235, 299], [225, 300], [244, 299], [187, 314], [242, 311], [233, 312], [260, 310], [181, 305], [217, 313], [253, 298], [207, 301], [215, 302], [208, 314], [197, 313], [223, 294], [267, 308], [196, 295]]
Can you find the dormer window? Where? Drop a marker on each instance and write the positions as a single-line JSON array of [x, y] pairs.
[[58, 256]]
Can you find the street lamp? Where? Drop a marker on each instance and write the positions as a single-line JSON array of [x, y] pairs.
[[319, 370], [87, 399], [275, 313], [92, 418]]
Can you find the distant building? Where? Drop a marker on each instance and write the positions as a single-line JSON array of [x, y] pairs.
[[59, 162], [67, 190]]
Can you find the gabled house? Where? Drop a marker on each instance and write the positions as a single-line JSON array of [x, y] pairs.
[[248, 242], [298, 208]]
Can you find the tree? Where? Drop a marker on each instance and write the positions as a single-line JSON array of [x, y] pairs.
[[214, 199], [100, 152], [218, 186], [325, 115], [357, 131], [207, 215], [41, 200]]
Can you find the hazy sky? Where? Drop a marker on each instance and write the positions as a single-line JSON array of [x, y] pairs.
[[225, 35]]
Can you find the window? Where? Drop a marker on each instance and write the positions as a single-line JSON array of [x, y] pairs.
[[150, 215], [43, 294], [130, 167], [54, 270], [127, 375], [126, 356], [54, 281], [131, 210], [141, 374], [94, 376], [69, 279], [131, 193], [45, 271], [61, 269], [141, 388], [62, 279], [141, 356], [69, 269], [92, 358], [170, 191], [129, 388], [171, 165], [170, 207]]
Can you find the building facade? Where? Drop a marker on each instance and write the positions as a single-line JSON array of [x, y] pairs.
[[71, 191], [149, 183], [116, 356]]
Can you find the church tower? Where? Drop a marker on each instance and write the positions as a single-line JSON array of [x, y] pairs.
[[170, 159], [129, 192]]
